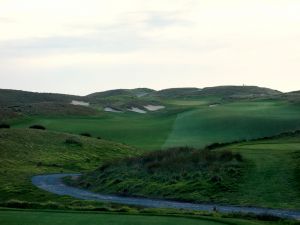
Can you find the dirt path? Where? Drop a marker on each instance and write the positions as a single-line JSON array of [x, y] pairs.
[[53, 183]]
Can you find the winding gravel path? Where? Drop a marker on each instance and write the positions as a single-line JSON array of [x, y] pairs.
[[53, 183]]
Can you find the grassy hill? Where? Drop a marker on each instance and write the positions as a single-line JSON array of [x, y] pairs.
[[256, 173], [219, 92], [27, 152], [233, 121], [16, 97]]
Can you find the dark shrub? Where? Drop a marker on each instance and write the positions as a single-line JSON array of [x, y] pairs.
[[239, 157], [4, 125], [73, 141], [39, 127], [86, 134], [226, 156]]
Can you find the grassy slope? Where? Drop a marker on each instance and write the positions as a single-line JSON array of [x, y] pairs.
[[233, 121], [270, 176], [273, 178], [144, 131], [26, 152]]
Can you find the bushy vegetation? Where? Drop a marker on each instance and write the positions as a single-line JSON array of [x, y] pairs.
[[85, 134], [4, 125], [178, 173], [39, 127], [73, 141]]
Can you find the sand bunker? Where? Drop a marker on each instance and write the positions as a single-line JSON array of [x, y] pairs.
[[213, 105], [154, 107], [74, 102], [137, 110], [108, 109]]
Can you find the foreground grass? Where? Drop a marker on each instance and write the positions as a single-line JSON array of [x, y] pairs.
[[28, 152], [17, 217]]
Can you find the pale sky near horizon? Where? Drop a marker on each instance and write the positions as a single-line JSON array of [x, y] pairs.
[[79, 47]]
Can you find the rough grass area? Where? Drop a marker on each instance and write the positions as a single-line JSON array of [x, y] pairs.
[[180, 173], [253, 173], [28, 152]]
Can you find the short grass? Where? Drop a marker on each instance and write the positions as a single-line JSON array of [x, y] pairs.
[[182, 123], [143, 131], [232, 122], [13, 217], [28, 152]]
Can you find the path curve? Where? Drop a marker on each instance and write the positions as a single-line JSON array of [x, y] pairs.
[[53, 183]]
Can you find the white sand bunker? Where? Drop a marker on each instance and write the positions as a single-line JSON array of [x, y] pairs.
[[213, 105], [108, 109], [137, 110], [74, 102], [154, 107]]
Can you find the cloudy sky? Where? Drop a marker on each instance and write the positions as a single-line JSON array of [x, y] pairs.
[[82, 46]]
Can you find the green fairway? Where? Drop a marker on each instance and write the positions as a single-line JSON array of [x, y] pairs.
[[143, 131], [179, 125], [232, 122], [10, 217]]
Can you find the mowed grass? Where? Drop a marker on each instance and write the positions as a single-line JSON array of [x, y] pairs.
[[182, 125], [273, 177], [232, 122], [11, 217], [28, 152], [142, 131]]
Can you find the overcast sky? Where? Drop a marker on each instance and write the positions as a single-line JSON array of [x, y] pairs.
[[83, 46]]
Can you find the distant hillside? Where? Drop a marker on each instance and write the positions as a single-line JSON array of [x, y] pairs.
[[239, 91], [15, 103], [52, 108], [220, 91], [138, 92], [121, 99], [16, 97]]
